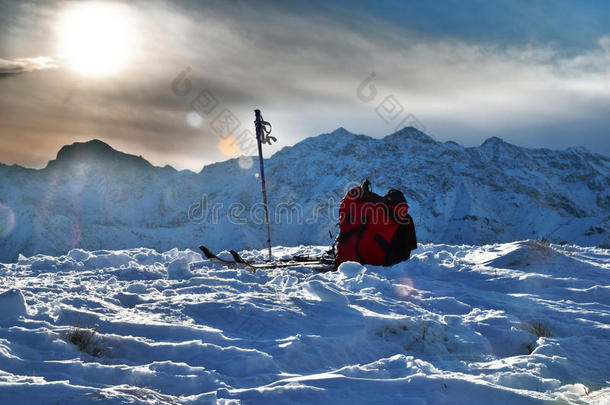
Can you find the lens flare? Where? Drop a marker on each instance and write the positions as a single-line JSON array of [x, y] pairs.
[[194, 119], [245, 162], [228, 146], [405, 288], [64, 226], [7, 220], [75, 234]]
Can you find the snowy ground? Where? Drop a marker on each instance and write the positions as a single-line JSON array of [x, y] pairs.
[[454, 325]]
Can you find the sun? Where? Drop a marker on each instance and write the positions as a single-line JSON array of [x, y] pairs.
[[96, 39]]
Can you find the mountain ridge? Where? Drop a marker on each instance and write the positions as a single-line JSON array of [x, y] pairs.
[[338, 131], [495, 192]]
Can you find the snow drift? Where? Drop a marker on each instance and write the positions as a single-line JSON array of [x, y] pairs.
[[523, 322]]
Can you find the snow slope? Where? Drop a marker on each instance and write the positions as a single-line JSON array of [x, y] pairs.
[[454, 325], [94, 197]]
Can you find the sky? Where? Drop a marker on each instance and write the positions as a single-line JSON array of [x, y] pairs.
[[177, 82]]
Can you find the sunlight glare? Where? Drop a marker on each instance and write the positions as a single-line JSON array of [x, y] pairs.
[[96, 39]]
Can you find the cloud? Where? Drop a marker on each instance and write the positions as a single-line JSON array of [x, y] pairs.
[[301, 65], [305, 71], [24, 65]]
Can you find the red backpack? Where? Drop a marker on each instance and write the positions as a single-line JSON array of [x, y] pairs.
[[374, 229]]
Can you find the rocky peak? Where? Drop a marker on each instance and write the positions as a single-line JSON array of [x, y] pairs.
[[95, 151]]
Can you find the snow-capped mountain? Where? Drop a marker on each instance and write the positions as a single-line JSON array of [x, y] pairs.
[[92, 196]]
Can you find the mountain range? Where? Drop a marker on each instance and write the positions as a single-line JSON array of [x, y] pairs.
[[95, 197]]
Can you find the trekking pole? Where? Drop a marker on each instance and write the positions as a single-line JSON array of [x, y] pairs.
[[263, 129]]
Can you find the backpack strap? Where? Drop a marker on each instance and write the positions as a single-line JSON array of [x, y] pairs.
[[383, 243]]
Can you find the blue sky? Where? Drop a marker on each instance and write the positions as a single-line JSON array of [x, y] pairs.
[[535, 73], [570, 25]]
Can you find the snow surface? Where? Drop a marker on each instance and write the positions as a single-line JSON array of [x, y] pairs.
[[453, 325]]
